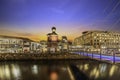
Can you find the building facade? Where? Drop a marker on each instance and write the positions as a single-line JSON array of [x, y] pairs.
[[43, 46], [52, 41], [10, 44], [64, 44], [35, 47], [97, 40]]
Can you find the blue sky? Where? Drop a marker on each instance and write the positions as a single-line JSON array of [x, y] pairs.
[[71, 17]]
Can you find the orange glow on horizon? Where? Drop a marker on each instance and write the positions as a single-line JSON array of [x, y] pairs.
[[42, 34]]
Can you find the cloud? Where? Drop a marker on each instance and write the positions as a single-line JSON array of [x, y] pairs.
[[25, 34], [7, 32]]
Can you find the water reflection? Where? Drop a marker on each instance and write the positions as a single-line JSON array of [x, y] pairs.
[[99, 70], [35, 69], [15, 71], [32, 71], [78, 74], [7, 71], [53, 76], [59, 70]]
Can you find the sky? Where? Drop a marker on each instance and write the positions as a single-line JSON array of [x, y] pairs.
[[34, 18]]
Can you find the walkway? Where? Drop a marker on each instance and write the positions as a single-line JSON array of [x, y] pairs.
[[98, 56]]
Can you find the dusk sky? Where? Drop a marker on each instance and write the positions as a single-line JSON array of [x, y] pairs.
[[34, 18]]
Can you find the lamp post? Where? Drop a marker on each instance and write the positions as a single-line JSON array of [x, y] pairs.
[[100, 55], [92, 53], [113, 56], [84, 46]]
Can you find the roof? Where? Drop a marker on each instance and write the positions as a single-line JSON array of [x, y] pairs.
[[98, 31], [3, 36], [53, 27]]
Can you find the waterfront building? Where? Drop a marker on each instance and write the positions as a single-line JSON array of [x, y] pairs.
[[59, 49], [52, 41], [43, 46], [97, 40], [35, 47], [64, 44], [10, 44], [26, 45]]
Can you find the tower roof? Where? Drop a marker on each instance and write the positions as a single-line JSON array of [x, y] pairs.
[[53, 27], [53, 31]]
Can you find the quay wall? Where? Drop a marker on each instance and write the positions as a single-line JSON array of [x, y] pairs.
[[36, 56]]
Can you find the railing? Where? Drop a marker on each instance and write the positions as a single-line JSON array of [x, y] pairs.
[[113, 57]]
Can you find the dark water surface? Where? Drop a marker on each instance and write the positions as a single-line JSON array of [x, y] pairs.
[[59, 70]]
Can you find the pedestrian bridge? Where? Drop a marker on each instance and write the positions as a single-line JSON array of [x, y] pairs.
[[102, 57]]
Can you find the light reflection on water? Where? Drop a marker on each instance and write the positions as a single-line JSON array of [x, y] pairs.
[[7, 71], [57, 71], [35, 69], [100, 71], [32, 71]]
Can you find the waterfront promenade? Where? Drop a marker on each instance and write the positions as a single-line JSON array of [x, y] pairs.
[[36, 56]]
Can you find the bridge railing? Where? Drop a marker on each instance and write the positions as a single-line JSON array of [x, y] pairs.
[[113, 57]]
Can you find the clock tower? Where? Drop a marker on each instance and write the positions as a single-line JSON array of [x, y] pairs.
[[52, 41]]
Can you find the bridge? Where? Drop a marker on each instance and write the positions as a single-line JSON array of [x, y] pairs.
[[111, 58]]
